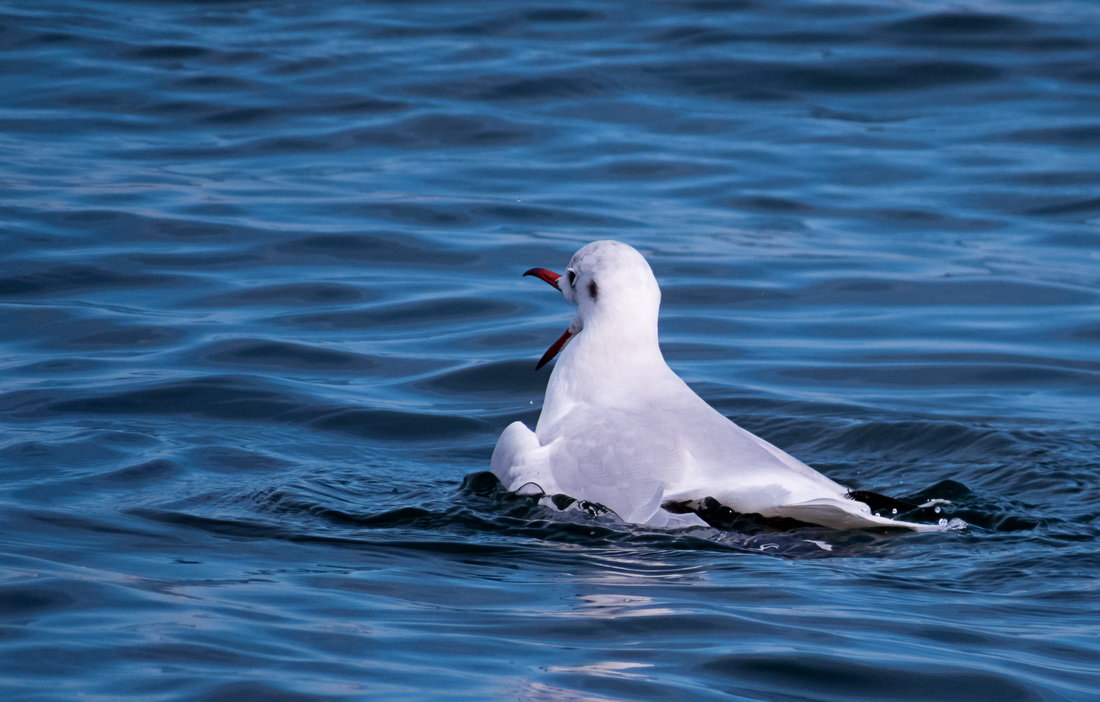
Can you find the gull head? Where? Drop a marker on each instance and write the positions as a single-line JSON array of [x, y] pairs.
[[616, 295]]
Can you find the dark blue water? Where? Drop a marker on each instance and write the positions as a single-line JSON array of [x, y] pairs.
[[263, 320]]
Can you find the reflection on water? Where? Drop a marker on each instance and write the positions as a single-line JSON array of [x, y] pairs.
[[611, 606]]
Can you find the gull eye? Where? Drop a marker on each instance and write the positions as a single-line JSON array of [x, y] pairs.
[[572, 277]]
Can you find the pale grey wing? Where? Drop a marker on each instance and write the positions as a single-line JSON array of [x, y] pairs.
[[750, 475], [850, 514], [736, 467], [613, 458], [520, 462]]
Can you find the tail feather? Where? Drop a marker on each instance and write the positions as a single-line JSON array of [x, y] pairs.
[[881, 503], [828, 512], [844, 514]]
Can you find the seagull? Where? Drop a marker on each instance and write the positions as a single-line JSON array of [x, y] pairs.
[[620, 429]]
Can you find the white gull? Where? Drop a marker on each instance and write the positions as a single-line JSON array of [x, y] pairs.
[[621, 429]]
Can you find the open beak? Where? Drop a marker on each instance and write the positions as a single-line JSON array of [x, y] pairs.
[[554, 348], [550, 278]]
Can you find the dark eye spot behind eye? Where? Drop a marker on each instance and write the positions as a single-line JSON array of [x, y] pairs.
[[593, 291], [572, 277]]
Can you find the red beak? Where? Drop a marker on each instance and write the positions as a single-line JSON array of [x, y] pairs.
[[550, 278], [554, 348]]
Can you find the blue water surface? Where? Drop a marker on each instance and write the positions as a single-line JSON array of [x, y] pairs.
[[263, 320]]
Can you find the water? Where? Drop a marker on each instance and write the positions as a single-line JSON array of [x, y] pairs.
[[263, 321]]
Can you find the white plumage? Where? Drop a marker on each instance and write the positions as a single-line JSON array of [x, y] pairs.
[[620, 428]]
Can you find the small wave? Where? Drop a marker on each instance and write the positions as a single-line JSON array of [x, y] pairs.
[[265, 353], [242, 398], [378, 249], [290, 294], [69, 278], [394, 320], [743, 79]]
